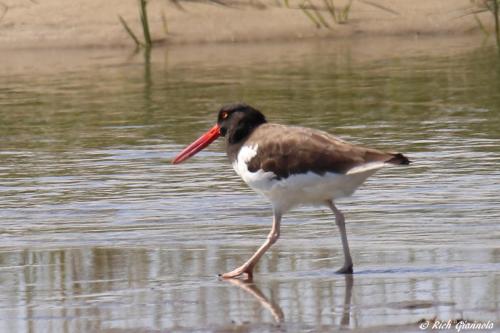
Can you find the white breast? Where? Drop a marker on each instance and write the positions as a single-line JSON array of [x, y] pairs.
[[260, 181]]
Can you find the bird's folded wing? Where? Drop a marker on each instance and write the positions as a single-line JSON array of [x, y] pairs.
[[287, 150]]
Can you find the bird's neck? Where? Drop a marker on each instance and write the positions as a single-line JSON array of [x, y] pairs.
[[237, 137]]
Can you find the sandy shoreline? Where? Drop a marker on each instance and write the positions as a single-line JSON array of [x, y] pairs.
[[94, 23], [361, 49]]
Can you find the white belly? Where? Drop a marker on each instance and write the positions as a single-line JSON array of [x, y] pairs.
[[298, 189]]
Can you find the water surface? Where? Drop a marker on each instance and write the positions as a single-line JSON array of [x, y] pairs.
[[100, 233]]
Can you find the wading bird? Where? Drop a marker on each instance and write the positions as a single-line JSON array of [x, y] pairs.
[[291, 166]]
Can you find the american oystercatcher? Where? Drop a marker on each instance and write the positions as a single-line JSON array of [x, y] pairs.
[[291, 166]]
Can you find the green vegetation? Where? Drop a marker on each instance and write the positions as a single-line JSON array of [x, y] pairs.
[[4, 9], [130, 32], [492, 6], [497, 24], [337, 15], [144, 22], [143, 14]]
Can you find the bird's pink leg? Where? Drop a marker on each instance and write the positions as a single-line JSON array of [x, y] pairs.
[[339, 219], [247, 267]]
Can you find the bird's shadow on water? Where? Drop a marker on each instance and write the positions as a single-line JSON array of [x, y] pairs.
[[271, 305]]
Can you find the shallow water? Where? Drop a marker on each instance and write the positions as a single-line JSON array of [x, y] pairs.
[[100, 233]]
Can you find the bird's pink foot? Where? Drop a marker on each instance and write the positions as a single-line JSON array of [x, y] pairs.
[[345, 270], [246, 273]]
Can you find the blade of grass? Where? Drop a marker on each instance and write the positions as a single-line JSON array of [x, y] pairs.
[[145, 23], [164, 22], [331, 9], [130, 32], [346, 11], [310, 16], [178, 5], [481, 25], [497, 24], [474, 12], [376, 5], [320, 17]]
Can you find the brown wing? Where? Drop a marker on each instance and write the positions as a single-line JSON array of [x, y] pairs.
[[287, 150]]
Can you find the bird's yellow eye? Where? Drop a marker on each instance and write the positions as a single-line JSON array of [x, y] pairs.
[[224, 115]]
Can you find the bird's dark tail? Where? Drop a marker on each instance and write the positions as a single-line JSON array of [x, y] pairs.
[[398, 159]]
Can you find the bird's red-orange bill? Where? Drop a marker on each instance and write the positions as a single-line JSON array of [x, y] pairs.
[[198, 145]]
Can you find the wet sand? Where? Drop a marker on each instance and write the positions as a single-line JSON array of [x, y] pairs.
[[94, 23]]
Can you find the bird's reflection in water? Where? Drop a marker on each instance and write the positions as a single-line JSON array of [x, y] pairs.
[[251, 288], [274, 308], [346, 316]]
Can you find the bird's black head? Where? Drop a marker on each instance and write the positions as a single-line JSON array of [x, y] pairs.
[[237, 121]]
